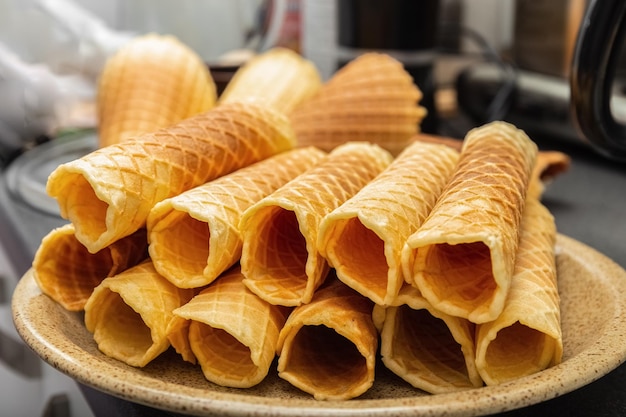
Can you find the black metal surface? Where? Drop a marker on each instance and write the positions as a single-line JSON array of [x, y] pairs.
[[404, 25], [595, 61]]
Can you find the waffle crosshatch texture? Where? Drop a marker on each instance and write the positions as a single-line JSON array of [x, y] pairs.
[[324, 237]]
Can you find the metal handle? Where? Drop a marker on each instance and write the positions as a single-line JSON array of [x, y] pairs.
[[595, 58]]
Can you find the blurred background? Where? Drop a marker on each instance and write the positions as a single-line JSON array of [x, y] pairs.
[[521, 44]]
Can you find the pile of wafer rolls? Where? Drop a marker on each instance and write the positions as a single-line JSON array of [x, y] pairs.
[[325, 232]]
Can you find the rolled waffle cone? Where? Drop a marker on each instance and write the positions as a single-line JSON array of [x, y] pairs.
[[363, 238], [68, 273], [129, 314], [194, 236], [328, 347], [109, 193], [548, 166], [280, 256], [279, 77], [526, 338], [371, 99], [431, 350], [465, 250], [232, 333], [150, 83]]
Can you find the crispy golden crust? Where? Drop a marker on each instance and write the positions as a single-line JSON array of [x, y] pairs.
[[150, 83], [109, 193], [465, 250]]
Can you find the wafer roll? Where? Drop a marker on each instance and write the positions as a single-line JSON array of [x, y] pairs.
[[151, 82], [549, 164], [526, 338], [363, 238], [280, 256], [431, 350], [232, 333], [194, 236], [66, 272], [279, 77], [129, 314], [328, 348], [465, 250], [372, 99], [108, 193]]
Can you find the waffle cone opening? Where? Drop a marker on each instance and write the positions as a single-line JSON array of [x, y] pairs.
[[322, 358], [532, 349], [463, 273]]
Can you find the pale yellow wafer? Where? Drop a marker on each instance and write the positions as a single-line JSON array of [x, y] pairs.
[[526, 338], [279, 77], [363, 238], [465, 250], [68, 273], [431, 350], [109, 193], [232, 333], [548, 166], [372, 98], [194, 236], [328, 347], [129, 314], [280, 257], [151, 82]]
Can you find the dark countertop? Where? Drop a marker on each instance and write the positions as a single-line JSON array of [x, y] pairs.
[[587, 202]]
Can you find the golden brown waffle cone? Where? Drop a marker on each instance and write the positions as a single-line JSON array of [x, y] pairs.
[[363, 238], [328, 347], [431, 350], [466, 247], [151, 82], [232, 332], [526, 337], [371, 99], [108, 193], [280, 257], [194, 236], [68, 273], [549, 164], [279, 77], [129, 314]]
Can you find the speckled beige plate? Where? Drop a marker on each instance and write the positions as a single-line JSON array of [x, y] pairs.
[[593, 301]]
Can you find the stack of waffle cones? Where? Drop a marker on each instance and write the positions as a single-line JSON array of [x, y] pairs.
[[226, 238]]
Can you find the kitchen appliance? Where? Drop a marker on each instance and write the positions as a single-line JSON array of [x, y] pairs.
[[31, 387], [593, 81], [336, 31], [586, 103]]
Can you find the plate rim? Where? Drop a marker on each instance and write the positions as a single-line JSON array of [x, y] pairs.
[[484, 399]]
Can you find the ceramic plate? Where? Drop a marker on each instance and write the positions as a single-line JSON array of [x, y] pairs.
[[593, 308]]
